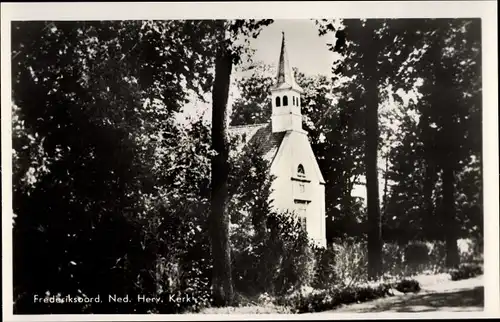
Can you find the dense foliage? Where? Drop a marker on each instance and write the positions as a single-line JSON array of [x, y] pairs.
[[111, 194], [93, 116]]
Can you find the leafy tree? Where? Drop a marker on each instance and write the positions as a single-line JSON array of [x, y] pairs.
[[361, 38], [90, 99], [404, 217], [335, 128], [249, 207], [452, 109], [254, 104], [442, 69]]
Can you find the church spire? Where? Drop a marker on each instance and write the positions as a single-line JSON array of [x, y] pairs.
[[283, 66], [285, 95], [285, 77]]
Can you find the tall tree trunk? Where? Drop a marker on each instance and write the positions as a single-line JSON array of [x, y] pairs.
[[386, 190], [373, 207], [430, 224], [432, 141], [446, 99], [450, 225], [385, 197], [371, 149], [222, 286], [448, 164]]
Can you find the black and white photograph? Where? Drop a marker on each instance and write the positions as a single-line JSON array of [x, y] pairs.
[[320, 166]]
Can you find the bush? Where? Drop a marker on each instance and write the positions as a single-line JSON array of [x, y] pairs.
[[185, 269], [437, 255], [413, 258], [289, 248], [407, 285], [277, 261], [392, 258], [350, 263], [417, 253], [465, 271], [322, 300], [470, 250], [324, 271]]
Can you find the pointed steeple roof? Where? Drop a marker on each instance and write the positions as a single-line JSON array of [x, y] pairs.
[[285, 77]]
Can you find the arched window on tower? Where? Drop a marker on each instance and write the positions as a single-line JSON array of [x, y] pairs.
[[278, 101], [285, 100], [298, 101], [300, 171], [293, 100]]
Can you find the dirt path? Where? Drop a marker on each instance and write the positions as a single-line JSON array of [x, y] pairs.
[[449, 296]]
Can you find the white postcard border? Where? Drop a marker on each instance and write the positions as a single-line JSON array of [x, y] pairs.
[[276, 10]]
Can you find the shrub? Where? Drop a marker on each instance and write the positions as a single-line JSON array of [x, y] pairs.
[[465, 271], [322, 300], [407, 285], [350, 263], [417, 253], [423, 256], [392, 258], [277, 261], [437, 255], [288, 246], [413, 258], [470, 250], [324, 271], [185, 271]]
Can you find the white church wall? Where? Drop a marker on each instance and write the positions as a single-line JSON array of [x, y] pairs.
[[294, 150], [281, 188], [316, 215]]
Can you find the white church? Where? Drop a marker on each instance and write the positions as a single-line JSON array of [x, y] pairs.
[[299, 186]]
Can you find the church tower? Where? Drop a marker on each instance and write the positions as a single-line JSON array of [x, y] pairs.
[[285, 94]]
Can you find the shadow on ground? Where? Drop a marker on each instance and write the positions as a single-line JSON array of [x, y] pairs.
[[462, 300]]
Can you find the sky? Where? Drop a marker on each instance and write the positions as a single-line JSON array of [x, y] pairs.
[[307, 51]]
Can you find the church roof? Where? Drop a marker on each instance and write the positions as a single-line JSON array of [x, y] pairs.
[[261, 135], [285, 78]]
